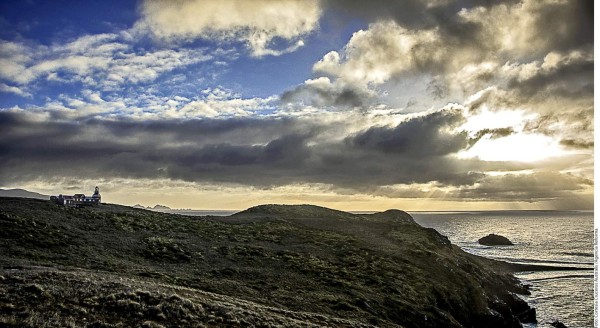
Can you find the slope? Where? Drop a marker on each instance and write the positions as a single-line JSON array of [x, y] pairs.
[[346, 269]]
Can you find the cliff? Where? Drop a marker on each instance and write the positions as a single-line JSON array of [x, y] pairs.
[[269, 265]]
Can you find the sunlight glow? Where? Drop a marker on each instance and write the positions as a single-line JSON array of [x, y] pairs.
[[487, 119], [516, 147]]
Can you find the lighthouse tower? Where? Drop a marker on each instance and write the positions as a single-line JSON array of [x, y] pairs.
[[96, 196]]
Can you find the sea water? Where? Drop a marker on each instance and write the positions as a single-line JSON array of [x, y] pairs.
[[557, 238]]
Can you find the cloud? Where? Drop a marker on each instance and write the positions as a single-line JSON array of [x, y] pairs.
[[463, 46], [383, 51], [101, 60], [321, 92], [577, 143], [273, 152], [259, 152], [218, 102], [559, 74], [536, 186], [209, 103], [535, 27], [15, 90], [574, 127], [433, 134], [491, 133], [258, 23]]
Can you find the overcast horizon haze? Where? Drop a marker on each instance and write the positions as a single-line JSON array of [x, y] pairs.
[[353, 105]]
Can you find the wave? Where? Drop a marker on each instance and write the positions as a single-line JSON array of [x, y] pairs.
[[582, 254], [570, 276], [525, 260]]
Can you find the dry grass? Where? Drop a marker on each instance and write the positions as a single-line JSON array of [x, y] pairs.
[[36, 297]]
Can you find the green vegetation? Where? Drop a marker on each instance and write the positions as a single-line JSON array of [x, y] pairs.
[[270, 265]]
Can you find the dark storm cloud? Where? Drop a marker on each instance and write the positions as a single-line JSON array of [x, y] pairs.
[[568, 24], [531, 187], [274, 152], [186, 150], [256, 152], [234, 130], [423, 136], [574, 143]]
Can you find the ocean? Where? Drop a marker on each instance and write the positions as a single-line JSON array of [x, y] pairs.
[[558, 238]]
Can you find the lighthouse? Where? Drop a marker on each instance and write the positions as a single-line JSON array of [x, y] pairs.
[[96, 196]]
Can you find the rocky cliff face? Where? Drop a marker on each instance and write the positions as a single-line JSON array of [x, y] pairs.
[[316, 265]]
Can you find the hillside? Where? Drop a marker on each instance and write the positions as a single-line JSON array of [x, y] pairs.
[[22, 193], [270, 265]]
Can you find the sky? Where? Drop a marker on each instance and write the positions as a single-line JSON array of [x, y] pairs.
[[349, 104]]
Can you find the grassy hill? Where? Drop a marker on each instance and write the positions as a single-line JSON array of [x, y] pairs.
[[270, 265], [22, 193]]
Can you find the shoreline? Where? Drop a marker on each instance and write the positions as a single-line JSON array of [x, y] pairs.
[[519, 267]]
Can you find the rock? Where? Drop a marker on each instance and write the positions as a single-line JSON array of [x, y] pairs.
[[528, 316], [494, 240], [557, 324]]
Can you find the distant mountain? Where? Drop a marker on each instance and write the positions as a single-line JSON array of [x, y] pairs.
[[156, 207], [22, 193]]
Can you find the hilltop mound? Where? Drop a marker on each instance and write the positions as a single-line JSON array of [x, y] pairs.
[[397, 215], [304, 265], [296, 211]]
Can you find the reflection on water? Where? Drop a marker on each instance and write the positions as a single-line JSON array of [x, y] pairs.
[[540, 237]]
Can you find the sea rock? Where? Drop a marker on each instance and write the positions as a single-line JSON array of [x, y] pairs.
[[528, 316], [557, 324], [494, 240]]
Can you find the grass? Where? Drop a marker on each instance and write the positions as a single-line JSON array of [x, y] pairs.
[[310, 264]]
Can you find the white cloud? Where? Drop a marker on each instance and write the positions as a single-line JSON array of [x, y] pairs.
[[211, 103], [12, 89], [13, 59], [136, 68], [218, 102], [92, 45], [256, 22], [384, 50], [94, 60]]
